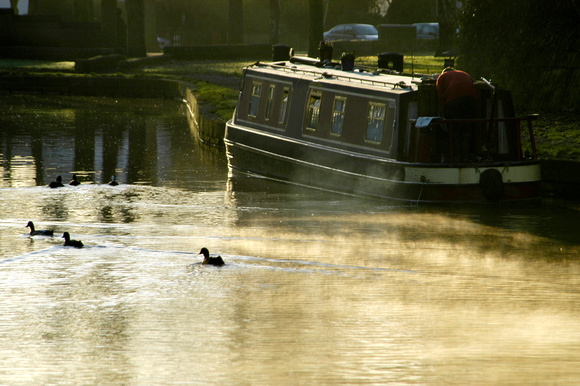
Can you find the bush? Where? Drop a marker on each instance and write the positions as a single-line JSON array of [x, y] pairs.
[[528, 46]]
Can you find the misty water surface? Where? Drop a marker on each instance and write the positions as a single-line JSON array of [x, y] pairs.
[[317, 288]]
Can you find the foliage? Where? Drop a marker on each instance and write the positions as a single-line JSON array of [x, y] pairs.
[[557, 136], [325, 45], [348, 55], [348, 11], [412, 11], [528, 46], [69, 10], [223, 99]]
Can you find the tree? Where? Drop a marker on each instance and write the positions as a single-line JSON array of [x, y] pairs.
[[412, 11], [275, 14], [14, 6], [236, 22], [52, 7], [109, 22], [447, 18], [135, 28], [348, 11], [83, 10], [315, 31], [529, 46]]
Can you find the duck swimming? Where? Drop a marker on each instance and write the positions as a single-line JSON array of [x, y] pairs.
[[57, 183], [74, 181], [211, 260], [71, 243], [34, 232], [113, 182]]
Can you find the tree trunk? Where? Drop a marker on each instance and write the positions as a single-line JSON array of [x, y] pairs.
[[275, 21], [151, 26], [135, 28], [14, 6], [83, 10], [109, 22], [447, 25], [32, 7], [316, 16], [236, 22]]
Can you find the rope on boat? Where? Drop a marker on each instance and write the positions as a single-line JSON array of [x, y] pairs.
[[423, 181]]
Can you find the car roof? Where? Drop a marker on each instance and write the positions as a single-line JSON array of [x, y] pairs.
[[338, 25], [431, 24]]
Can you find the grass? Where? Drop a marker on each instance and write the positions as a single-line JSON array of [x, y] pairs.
[[201, 67], [222, 99], [36, 65], [558, 136], [420, 64], [557, 133]]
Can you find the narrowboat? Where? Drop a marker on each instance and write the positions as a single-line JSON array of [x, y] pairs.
[[378, 133]]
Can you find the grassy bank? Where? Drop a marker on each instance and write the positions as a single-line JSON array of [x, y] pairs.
[[217, 82]]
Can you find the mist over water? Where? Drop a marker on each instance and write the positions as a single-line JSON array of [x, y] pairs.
[[317, 288]]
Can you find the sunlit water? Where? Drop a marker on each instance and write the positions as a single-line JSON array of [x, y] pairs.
[[317, 289]]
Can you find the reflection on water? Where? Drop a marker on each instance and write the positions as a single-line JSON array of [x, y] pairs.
[[139, 141], [317, 288]]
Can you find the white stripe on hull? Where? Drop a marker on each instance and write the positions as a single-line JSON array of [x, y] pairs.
[[470, 175]]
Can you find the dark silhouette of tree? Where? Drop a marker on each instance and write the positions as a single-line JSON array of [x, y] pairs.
[[32, 7], [275, 14], [529, 46], [135, 28], [412, 11], [52, 7], [83, 10], [316, 17], [14, 6], [109, 22], [236, 22], [348, 11], [447, 19]]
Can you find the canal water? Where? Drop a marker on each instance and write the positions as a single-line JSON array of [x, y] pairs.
[[317, 289]]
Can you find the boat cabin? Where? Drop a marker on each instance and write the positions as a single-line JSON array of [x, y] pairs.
[[372, 111]]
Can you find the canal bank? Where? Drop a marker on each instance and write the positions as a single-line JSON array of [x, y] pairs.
[[561, 178], [204, 125]]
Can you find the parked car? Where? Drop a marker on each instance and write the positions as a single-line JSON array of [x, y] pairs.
[[427, 31], [352, 32], [163, 42]]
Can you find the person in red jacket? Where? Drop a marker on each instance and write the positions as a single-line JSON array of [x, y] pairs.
[[458, 99]]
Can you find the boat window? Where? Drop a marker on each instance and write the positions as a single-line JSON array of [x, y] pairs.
[[375, 122], [338, 115], [284, 105], [313, 111], [270, 99], [255, 99]]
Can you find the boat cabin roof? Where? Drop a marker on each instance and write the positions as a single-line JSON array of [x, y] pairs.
[[331, 73]]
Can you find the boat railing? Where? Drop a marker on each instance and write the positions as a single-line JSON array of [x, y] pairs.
[[468, 124], [328, 75]]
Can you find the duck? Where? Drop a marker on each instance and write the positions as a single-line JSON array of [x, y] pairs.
[[34, 232], [74, 181], [113, 182], [71, 243], [57, 183], [211, 260]]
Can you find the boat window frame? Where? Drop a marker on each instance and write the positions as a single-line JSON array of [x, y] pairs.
[[313, 96], [255, 99], [370, 119], [284, 102], [269, 101], [336, 113]]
